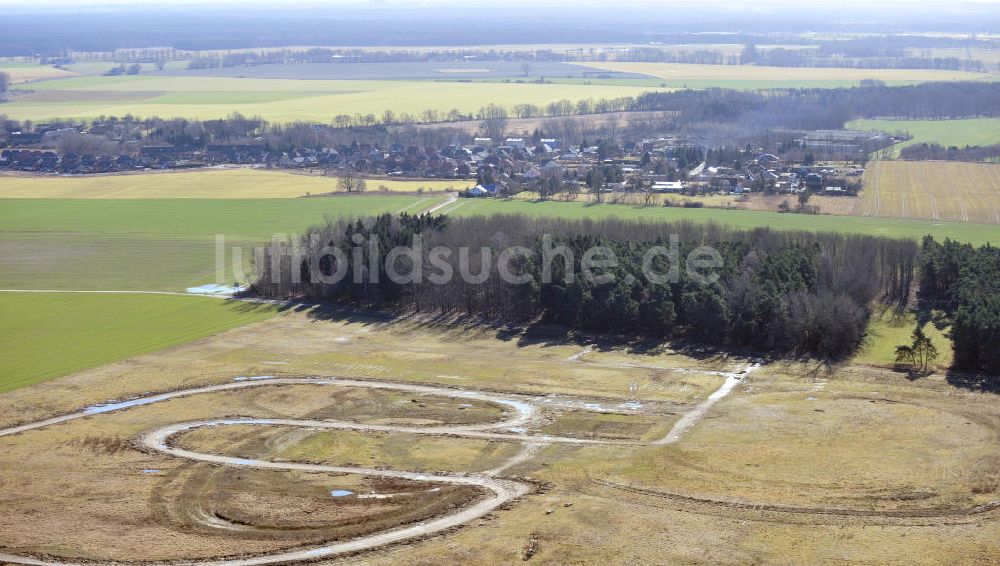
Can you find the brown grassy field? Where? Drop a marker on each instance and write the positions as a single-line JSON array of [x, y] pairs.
[[212, 183], [799, 464], [962, 192], [526, 126], [26, 72]]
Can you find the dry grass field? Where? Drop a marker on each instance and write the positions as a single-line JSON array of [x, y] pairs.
[[961, 192], [799, 464], [525, 127], [215, 183], [27, 72]]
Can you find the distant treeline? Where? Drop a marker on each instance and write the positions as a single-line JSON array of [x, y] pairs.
[[782, 292], [346, 56], [819, 108], [964, 281], [838, 55], [862, 54], [928, 151]]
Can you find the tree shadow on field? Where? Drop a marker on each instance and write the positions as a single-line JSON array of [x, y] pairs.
[[452, 327], [463, 327], [317, 310], [974, 381]]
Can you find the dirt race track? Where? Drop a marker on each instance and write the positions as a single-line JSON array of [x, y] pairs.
[[502, 491], [395, 442]]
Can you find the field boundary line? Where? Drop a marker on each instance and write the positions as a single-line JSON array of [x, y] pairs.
[[930, 197], [878, 181], [117, 292]]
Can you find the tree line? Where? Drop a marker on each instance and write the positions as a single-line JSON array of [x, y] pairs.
[[964, 282], [827, 56], [781, 292], [938, 152]]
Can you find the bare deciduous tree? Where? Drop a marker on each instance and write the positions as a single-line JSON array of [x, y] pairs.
[[613, 122], [494, 122], [597, 184], [348, 181]]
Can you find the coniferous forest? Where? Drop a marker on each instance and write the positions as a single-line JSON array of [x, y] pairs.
[[777, 292], [964, 282]]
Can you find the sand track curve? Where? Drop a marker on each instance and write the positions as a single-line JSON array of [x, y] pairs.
[[502, 491]]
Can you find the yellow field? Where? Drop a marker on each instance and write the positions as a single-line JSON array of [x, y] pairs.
[[748, 76], [212, 183], [23, 73], [963, 192]]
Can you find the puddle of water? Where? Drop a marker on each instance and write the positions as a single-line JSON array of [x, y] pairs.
[[341, 493], [632, 405], [521, 407], [151, 471], [518, 430], [252, 377], [214, 289], [108, 407]]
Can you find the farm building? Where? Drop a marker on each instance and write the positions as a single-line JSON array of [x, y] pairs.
[[668, 187]]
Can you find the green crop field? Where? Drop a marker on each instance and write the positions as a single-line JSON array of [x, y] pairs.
[[46, 335], [960, 133], [238, 183], [165, 244], [891, 227], [279, 100]]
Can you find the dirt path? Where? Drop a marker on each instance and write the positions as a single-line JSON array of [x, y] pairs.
[[522, 414], [693, 416], [452, 197]]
